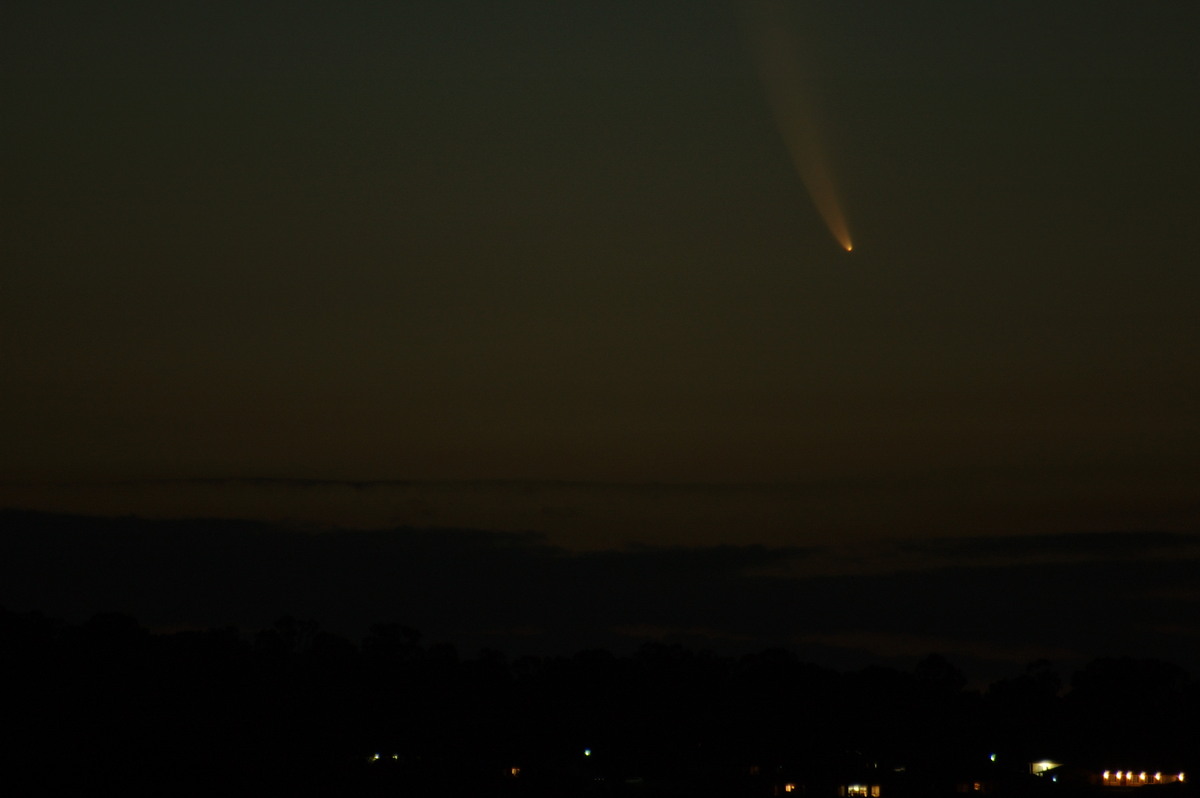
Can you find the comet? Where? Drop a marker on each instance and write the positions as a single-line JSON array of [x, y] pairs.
[[788, 80]]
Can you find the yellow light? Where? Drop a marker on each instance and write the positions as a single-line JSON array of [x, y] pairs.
[[1106, 775], [1143, 776], [1158, 777], [789, 788]]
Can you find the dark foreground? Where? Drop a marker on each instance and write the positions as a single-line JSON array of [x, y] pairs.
[[106, 706]]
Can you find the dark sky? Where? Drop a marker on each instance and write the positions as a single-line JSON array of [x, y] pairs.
[[548, 266]]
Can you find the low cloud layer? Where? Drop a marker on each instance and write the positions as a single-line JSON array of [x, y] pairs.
[[977, 512], [1089, 545], [518, 593]]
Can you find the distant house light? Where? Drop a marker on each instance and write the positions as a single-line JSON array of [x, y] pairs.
[[992, 757], [1038, 768], [1129, 778], [789, 787]]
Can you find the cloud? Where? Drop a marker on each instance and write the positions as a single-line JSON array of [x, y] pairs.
[[895, 517], [1099, 545], [517, 592]]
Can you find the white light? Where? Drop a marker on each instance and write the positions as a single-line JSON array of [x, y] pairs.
[[587, 752], [992, 757]]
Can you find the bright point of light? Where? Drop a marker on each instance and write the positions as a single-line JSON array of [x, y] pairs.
[[587, 752], [991, 757]]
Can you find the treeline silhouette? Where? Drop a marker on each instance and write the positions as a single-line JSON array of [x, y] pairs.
[[291, 708]]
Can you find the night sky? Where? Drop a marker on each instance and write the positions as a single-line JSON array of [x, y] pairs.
[[547, 273]]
